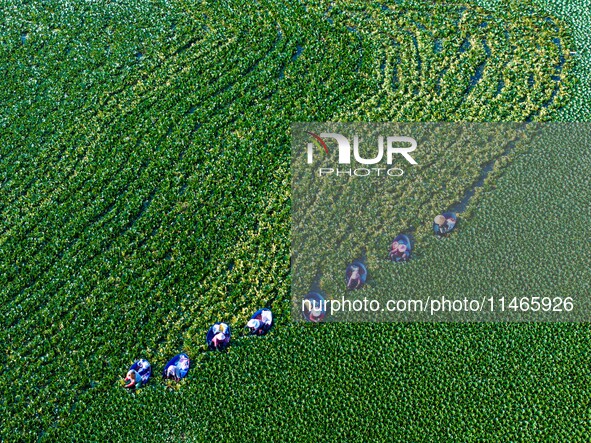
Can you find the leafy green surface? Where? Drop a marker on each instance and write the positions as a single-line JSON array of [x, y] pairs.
[[346, 382], [144, 174]]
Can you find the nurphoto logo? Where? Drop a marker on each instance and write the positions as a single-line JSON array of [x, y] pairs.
[[395, 145]]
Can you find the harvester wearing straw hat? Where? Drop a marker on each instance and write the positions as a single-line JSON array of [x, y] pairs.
[[444, 223]]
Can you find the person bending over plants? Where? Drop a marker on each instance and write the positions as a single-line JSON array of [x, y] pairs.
[[355, 279], [260, 322]]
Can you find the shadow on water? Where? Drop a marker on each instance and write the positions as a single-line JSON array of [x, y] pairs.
[[463, 204], [315, 285], [294, 57]]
